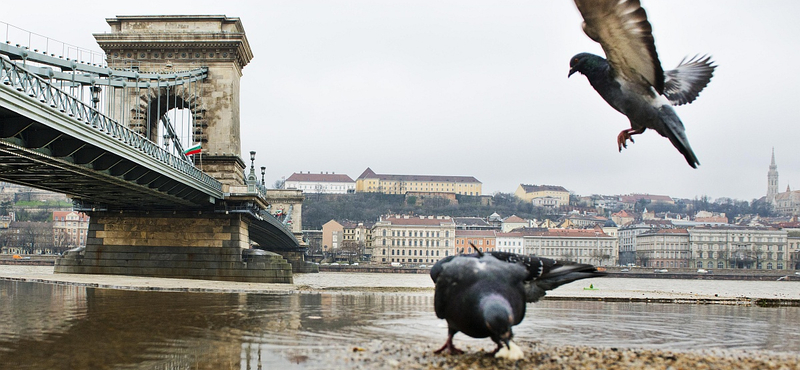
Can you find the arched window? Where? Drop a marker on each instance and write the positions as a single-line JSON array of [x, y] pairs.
[[710, 264], [700, 265], [769, 266], [720, 265]]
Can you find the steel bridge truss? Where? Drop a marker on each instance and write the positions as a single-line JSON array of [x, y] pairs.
[[95, 77], [50, 137]]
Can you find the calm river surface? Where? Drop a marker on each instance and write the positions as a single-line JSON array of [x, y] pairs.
[[47, 326]]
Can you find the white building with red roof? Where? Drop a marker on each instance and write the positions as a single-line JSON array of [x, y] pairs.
[[321, 183]]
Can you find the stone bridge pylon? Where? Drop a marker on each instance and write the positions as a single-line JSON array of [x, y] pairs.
[[207, 243], [179, 43]]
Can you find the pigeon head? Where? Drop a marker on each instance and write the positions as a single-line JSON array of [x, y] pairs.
[[586, 63], [498, 317]]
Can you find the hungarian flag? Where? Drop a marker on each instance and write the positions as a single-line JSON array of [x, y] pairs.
[[193, 150]]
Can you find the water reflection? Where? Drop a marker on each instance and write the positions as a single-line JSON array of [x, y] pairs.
[[63, 327]]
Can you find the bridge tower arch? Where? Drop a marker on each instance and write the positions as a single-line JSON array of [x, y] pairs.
[[160, 44], [156, 103]]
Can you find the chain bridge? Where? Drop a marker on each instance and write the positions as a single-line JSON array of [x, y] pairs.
[[145, 139]]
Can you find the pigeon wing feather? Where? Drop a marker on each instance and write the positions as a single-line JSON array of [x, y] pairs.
[[622, 29], [684, 83]]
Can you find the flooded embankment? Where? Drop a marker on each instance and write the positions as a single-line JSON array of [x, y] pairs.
[[380, 321]]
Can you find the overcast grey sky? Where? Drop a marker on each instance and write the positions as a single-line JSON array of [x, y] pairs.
[[480, 88]]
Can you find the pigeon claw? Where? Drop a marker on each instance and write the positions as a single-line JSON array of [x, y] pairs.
[[451, 349], [626, 135]]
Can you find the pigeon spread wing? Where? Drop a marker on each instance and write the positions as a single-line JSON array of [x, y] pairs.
[[547, 274], [622, 29], [684, 83]]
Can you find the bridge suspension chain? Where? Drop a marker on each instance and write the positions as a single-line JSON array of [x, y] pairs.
[[119, 90]]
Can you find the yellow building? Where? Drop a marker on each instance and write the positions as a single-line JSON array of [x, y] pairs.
[[530, 192], [370, 182]]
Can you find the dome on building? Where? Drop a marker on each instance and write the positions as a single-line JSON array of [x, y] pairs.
[[610, 223]]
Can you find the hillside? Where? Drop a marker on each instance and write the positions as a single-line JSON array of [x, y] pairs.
[[321, 208]]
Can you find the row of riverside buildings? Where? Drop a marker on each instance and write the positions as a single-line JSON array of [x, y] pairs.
[[66, 230], [423, 240]]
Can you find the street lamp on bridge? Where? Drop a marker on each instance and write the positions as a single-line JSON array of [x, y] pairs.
[[263, 171]]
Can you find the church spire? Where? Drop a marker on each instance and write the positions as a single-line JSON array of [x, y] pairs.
[[772, 180], [772, 164]]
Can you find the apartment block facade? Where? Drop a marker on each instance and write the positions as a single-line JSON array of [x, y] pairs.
[[370, 182], [484, 240], [579, 245], [663, 248], [740, 247], [70, 228], [413, 239], [548, 195]]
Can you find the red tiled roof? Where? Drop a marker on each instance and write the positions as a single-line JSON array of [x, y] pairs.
[[483, 233], [514, 219], [573, 233], [513, 234], [633, 198], [417, 220], [61, 215]]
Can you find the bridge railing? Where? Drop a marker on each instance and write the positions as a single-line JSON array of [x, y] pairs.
[[39, 89]]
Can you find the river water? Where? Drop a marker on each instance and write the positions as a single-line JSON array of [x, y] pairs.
[[47, 326]]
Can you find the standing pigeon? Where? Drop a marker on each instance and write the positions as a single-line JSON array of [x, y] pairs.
[[631, 80], [484, 294]]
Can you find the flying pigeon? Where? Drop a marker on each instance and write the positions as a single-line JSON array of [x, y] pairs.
[[484, 294], [632, 80]]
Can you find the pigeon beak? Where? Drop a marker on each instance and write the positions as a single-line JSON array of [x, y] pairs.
[[571, 71], [505, 338]]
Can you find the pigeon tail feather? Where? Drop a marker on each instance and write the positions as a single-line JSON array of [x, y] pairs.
[[674, 131], [558, 276]]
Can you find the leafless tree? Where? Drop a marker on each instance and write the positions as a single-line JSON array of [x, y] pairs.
[[350, 250]]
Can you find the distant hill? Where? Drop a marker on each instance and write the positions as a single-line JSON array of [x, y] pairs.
[[321, 208]]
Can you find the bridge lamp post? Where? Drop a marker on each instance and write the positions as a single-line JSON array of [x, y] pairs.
[[252, 181], [95, 95], [263, 171]]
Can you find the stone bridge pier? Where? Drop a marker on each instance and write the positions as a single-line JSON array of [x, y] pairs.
[[187, 244], [212, 242]]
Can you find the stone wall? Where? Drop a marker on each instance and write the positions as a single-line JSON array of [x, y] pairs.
[[191, 245]]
